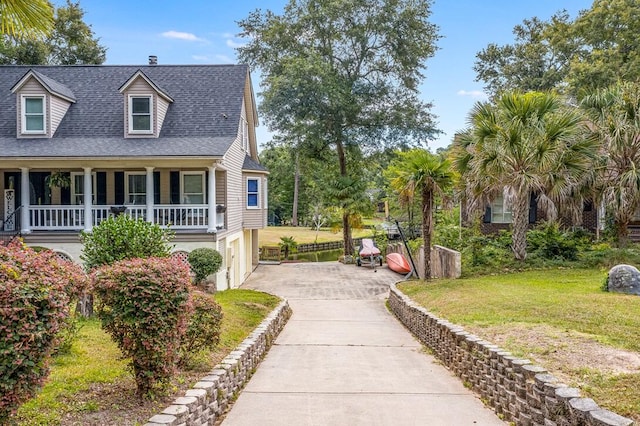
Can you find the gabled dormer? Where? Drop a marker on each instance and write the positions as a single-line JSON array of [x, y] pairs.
[[41, 105], [145, 106]]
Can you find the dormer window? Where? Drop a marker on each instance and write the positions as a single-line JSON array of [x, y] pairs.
[[141, 114], [33, 115]]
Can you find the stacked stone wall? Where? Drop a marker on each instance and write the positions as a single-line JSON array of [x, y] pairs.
[[518, 391], [210, 397]]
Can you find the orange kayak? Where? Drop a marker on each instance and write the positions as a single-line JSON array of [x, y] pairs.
[[398, 263]]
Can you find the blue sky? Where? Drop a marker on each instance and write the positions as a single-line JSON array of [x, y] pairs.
[[204, 32]]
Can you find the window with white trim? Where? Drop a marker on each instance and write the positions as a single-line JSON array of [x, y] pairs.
[[136, 188], [500, 211], [77, 188], [253, 193], [192, 188], [141, 114], [33, 114]]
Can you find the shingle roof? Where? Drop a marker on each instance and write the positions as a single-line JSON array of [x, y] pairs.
[[202, 121], [251, 164], [55, 87]]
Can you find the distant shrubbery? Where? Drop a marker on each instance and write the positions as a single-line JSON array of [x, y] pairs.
[[35, 290], [547, 245]]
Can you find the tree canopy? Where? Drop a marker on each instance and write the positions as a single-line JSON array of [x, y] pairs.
[[70, 42], [596, 49], [341, 77]]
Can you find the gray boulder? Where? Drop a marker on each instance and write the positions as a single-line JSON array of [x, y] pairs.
[[624, 279]]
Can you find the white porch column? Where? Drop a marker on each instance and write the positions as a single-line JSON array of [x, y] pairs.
[[150, 191], [211, 197], [88, 199], [25, 195]]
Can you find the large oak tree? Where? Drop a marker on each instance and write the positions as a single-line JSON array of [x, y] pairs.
[[343, 75], [70, 42]]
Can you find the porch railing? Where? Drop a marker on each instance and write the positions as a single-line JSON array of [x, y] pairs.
[[56, 217], [177, 216], [181, 216]]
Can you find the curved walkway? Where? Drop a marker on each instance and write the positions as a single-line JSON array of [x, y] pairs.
[[343, 359]]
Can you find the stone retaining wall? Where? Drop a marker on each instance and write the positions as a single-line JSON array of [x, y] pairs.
[[518, 391], [210, 397]]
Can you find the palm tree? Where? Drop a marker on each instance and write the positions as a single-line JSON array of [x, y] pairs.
[[614, 115], [519, 145], [417, 171], [26, 18]]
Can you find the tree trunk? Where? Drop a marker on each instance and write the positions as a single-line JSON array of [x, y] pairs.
[[427, 229], [622, 232], [346, 226], [296, 183], [85, 305], [519, 224]]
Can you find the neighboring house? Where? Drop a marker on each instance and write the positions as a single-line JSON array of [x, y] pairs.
[[498, 216], [173, 145]]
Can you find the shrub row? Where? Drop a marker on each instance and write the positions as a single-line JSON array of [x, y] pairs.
[[146, 304]]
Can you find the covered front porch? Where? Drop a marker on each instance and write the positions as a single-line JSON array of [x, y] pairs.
[[72, 199]]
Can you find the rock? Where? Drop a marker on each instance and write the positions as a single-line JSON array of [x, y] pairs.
[[624, 279]]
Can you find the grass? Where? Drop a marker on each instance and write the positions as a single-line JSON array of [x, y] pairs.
[[562, 302], [270, 236], [92, 385]]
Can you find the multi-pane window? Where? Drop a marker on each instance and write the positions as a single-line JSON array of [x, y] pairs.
[[33, 114], [136, 188], [77, 188], [140, 114], [193, 188], [253, 193], [500, 211]]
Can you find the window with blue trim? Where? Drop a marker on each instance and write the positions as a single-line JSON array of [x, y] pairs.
[[253, 193]]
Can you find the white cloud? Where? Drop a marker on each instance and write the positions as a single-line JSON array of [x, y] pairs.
[[201, 58], [232, 44], [181, 35], [476, 94], [224, 59]]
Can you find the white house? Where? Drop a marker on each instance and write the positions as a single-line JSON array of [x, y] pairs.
[[174, 145]]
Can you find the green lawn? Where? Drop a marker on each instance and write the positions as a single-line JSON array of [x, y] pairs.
[[270, 236], [539, 314], [92, 385]]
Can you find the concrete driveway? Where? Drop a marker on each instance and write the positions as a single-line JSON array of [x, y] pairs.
[[343, 359]]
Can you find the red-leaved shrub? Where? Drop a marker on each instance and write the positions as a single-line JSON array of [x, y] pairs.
[[144, 306], [204, 327], [35, 289]]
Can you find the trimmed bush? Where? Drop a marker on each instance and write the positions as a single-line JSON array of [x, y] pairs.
[[35, 289], [122, 237], [145, 306], [203, 331], [204, 262]]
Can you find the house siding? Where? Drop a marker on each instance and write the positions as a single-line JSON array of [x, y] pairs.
[[161, 106], [233, 161], [58, 109]]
